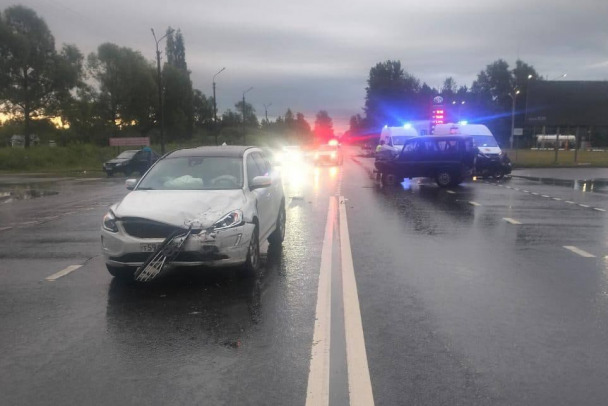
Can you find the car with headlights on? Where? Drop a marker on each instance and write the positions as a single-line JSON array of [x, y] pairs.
[[229, 196], [328, 154]]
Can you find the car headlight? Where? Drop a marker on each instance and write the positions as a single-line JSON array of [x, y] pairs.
[[109, 222], [232, 219], [333, 155]]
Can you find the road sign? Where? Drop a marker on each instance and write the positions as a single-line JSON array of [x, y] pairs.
[[129, 141]]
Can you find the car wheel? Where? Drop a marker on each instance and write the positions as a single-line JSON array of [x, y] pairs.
[[278, 235], [390, 179], [499, 173], [444, 178], [128, 171], [121, 272], [252, 263], [109, 173]]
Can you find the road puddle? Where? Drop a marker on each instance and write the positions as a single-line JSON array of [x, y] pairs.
[[590, 185], [24, 193]]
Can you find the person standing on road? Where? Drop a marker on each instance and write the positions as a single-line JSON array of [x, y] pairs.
[[379, 147]]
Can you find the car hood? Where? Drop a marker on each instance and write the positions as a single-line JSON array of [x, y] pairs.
[[178, 207]]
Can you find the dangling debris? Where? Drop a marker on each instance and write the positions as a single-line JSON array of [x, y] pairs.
[[166, 252]]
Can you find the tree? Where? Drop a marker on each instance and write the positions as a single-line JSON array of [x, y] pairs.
[[391, 95], [202, 109], [303, 130], [127, 92], [248, 112], [324, 129], [34, 78], [178, 105]]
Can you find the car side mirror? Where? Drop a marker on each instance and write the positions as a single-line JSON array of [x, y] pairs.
[[260, 182], [130, 183]]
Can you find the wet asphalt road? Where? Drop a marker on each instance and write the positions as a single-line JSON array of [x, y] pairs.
[[458, 305]]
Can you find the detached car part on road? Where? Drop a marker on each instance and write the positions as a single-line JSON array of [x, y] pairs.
[[224, 200], [447, 159]]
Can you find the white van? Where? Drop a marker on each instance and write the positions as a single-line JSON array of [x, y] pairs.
[[484, 139], [394, 138]]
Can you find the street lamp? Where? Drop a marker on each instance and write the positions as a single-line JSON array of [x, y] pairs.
[[214, 99], [244, 92], [160, 89], [266, 110], [513, 96]]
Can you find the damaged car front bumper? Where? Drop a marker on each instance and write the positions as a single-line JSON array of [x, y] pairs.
[[208, 247]]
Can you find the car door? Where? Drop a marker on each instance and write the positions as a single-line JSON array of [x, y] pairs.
[[411, 158], [263, 196]]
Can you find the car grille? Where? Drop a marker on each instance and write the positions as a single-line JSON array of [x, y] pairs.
[[142, 228]]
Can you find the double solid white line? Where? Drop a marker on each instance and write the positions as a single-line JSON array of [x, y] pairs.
[[359, 382]]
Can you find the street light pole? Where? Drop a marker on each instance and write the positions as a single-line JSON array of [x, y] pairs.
[[160, 90], [214, 99], [513, 95], [251, 88], [266, 110]]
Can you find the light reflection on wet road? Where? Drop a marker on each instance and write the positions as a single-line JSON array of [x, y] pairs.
[[459, 306]]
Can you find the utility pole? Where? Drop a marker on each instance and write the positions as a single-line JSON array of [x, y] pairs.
[[160, 90]]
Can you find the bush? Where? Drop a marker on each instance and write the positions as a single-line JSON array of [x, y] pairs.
[[43, 158]]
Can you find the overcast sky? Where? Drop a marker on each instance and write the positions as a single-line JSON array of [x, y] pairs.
[[316, 54]]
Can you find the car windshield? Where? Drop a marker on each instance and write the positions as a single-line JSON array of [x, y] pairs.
[[484, 141], [195, 173], [126, 155]]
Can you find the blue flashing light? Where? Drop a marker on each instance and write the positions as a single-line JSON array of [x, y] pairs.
[[463, 122], [385, 125]]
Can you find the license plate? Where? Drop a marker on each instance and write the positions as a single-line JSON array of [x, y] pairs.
[[148, 247]]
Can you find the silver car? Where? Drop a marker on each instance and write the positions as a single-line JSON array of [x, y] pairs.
[[228, 197]]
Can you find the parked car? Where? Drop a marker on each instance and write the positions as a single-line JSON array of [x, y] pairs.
[[130, 161], [227, 198], [448, 159], [328, 154]]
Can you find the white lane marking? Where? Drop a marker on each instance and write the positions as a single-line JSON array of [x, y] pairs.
[[583, 205], [472, 203], [526, 191], [569, 202], [557, 199], [5, 228], [516, 188], [318, 376], [359, 381], [534, 193], [511, 221], [579, 251], [598, 209], [451, 192], [544, 196], [63, 272]]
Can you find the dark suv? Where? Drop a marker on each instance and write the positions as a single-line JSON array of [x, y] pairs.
[[131, 161], [447, 159]]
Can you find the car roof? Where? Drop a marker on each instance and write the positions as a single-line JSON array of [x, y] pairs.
[[236, 151], [441, 137]]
